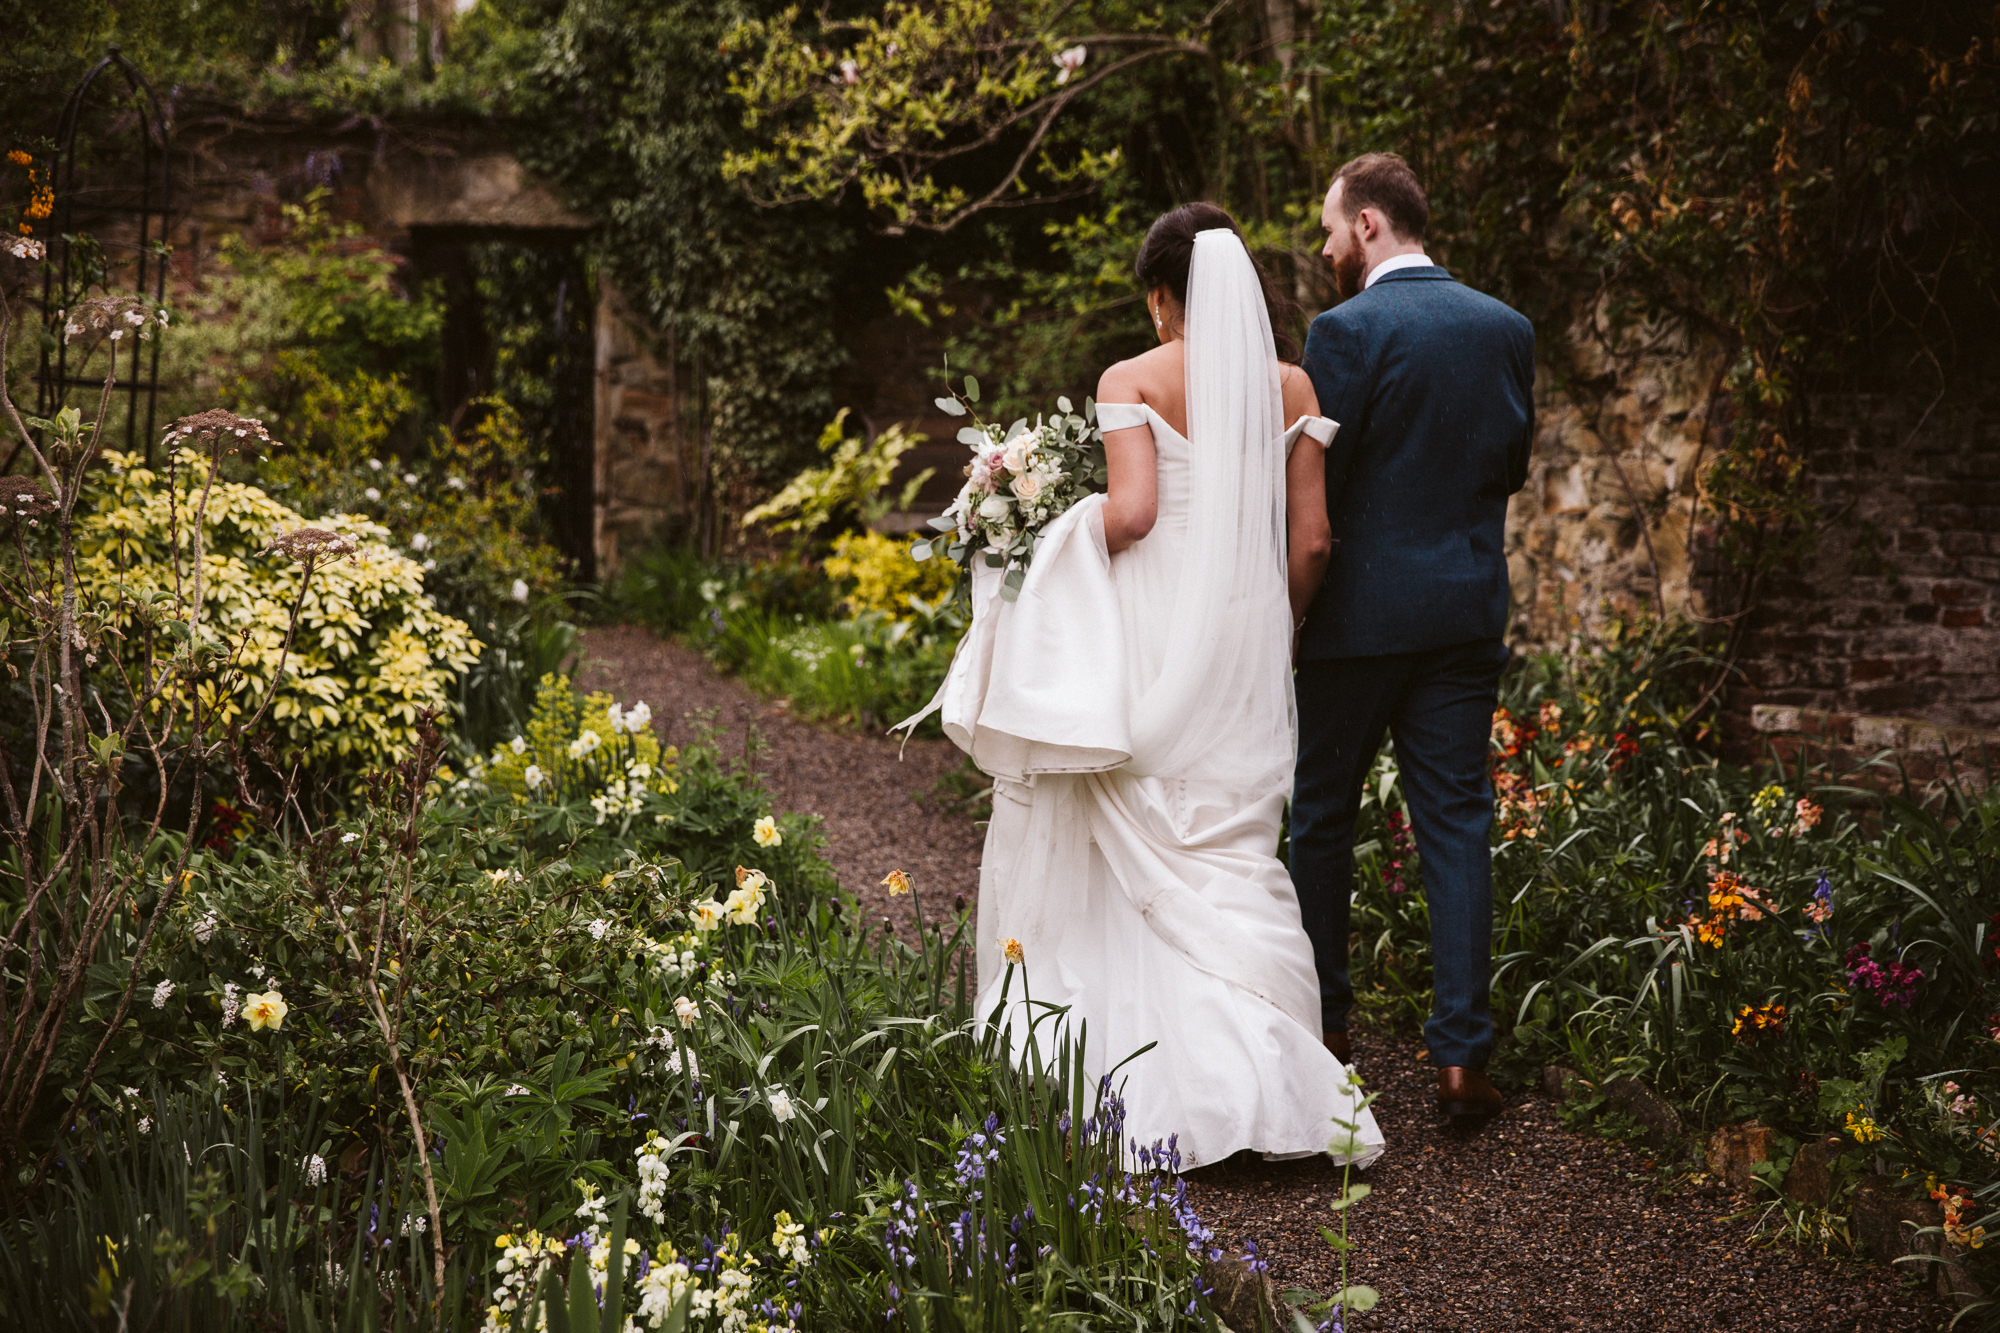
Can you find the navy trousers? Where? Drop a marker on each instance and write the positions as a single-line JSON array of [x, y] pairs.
[[1437, 705]]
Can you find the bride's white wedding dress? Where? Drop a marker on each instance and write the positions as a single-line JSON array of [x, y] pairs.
[[1135, 711]]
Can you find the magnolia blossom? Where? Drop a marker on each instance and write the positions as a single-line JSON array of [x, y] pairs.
[[1068, 62], [782, 1109], [765, 832], [687, 1011]]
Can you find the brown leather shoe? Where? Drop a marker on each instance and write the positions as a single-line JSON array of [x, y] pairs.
[[1465, 1092], [1342, 1048]]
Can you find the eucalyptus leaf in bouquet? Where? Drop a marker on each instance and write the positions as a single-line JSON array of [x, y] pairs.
[[1021, 478]]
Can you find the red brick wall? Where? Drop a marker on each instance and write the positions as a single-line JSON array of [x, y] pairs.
[[1895, 616]]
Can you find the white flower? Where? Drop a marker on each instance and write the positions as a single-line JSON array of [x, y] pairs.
[[23, 247], [533, 777], [639, 769], [616, 717], [1015, 452], [516, 1090], [585, 743], [134, 318], [520, 590], [455, 483], [160, 994], [419, 542], [375, 465], [372, 493], [850, 72], [1027, 487], [204, 929], [765, 831], [430, 565], [409, 478], [994, 508], [314, 1167], [598, 928], [519, 745], [782, 1109], [707, 915], [687, 1011], [232, 1003], [1069, 62], [145, 1124], [349, 837]]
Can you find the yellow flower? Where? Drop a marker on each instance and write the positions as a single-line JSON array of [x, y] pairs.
[[707, 915], [1010, 949], [898, 882], [1863, 1128], [265, 1011], [742, 904], [765, 831]]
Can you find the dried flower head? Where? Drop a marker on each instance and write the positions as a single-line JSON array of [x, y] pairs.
[[116, 317], [220, 429], [314, 545], [26, 498]]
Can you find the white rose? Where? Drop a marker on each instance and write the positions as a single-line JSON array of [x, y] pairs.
[[994, 508], [1027, 487], [1015, 455]]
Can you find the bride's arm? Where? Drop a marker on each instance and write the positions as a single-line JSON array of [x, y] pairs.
[[1310, 531], [1132, 497]]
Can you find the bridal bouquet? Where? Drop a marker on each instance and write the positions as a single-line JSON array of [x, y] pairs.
[[1020, 480]]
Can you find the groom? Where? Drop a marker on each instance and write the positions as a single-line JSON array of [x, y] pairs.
[[1431, 383]]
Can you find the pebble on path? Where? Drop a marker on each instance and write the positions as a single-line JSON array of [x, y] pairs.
[[1522, 1226]]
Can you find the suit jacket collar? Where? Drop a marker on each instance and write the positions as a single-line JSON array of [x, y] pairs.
[[1416, 273]]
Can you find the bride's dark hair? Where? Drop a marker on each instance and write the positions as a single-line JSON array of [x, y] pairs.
[[1169, 250]]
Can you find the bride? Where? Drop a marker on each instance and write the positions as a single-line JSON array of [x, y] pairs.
[[1134, 706]]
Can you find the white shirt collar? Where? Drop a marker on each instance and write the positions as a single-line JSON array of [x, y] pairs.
[[1394, 262]]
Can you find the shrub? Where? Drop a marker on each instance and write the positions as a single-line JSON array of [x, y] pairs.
[[885, 577], [848, 487], [372, 651]]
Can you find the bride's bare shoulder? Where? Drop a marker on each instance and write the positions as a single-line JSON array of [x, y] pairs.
[[1143, 378]]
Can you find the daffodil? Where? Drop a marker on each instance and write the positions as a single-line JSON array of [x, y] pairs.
[[687, 1011], [1010, 949], [765, 831], [265, 1011], [707, 914], [897, 882]]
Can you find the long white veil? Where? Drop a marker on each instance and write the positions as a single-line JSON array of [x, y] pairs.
[[1223, 704]]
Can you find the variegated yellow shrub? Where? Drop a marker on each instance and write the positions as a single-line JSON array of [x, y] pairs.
[[371, 652], [885, 577]]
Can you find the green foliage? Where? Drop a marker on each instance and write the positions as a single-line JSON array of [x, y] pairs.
[[885, 579], [849, 486], [372, 650], [623, 107], [801, 1096], [869, 671], [1747, 941]]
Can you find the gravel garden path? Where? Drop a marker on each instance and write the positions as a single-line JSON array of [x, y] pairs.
[[1524, 1225]]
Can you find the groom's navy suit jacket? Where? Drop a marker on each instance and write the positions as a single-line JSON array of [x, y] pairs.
[[1432, 384]]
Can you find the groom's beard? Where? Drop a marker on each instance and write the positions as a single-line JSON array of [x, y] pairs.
[[1348, 272]]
